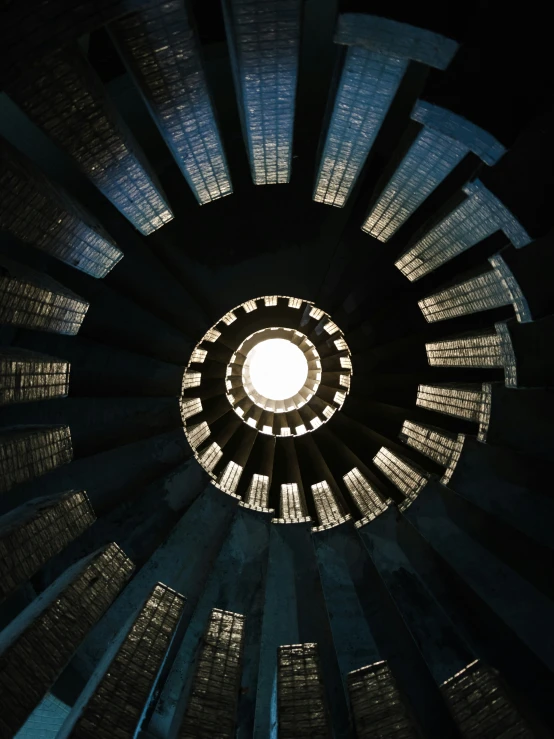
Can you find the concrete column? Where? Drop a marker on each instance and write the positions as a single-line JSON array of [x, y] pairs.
[[367, 627], [236, 584], [35, 532], [508, 485], [99, 424], [115, 698], [518, 603], [37, 645], [295, 612], [109, 477]]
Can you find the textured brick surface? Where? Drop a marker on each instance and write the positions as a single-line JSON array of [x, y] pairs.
[[34, 533], [377, 706], [301, 705], [31, 663], [28, 452], [26, 376], [480, 706], [212, 707], [36, 212], [64, 98], [33, 300], [115, 707]]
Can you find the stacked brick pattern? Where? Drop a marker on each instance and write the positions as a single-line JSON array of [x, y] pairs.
[[26, 376], [26, 36], [264, 38], [480, 706], [301, 707], [163, 52], [211, 711], [328, 511], [62, 96], [28, 452], [32, 300], [31, 535], [35, 658], [116, 705], [364, 495], [34, 211], [377, 705]]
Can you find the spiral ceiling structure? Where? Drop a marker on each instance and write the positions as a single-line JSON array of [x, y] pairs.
[[196, 541]]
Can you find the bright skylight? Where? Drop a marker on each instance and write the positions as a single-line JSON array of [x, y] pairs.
[[278, 368]]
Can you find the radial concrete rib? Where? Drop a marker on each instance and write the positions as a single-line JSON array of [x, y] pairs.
[[37, 645], [231, 586], [33, 533], [116, 696]]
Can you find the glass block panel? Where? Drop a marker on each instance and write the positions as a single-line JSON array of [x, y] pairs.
[[328, 511], [331, 327], [364, 494], [212, 335], [396, 39], [230, 477], [199, 355], [38, 530], [480, 350], [258, 491], [480, 215], [378, 707], [435, 443], [301, 709], [190, 407], [38, 213], [210, 456], [316, 313], [65, 99], [271, 300], [346, 362], [46, 720], [229, 318], [80, 596], [461, 401], [192, 379], [198, 433], [116, 706], [264, 40], [368, 84], [26, 376], [163, 52], [480, 142], [480, 705], [29, 452], [405, 475], [428, 162], [295, 303], [482, 292], [292, 505], [340, 344], [29, 299], [521, 307], [212, 707]]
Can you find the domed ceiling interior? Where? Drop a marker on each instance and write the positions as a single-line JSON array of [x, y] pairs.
[[186, 551]]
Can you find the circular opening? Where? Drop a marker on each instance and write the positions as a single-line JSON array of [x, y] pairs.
[[278, 368]]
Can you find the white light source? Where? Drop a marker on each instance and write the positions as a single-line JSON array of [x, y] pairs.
[[278, 368]]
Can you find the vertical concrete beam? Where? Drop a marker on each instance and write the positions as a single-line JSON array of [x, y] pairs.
[[37, 645], [525, 610], [112, 704], [182, 562], [236, 584], [295, 612], [442, 648], [33, 533]]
